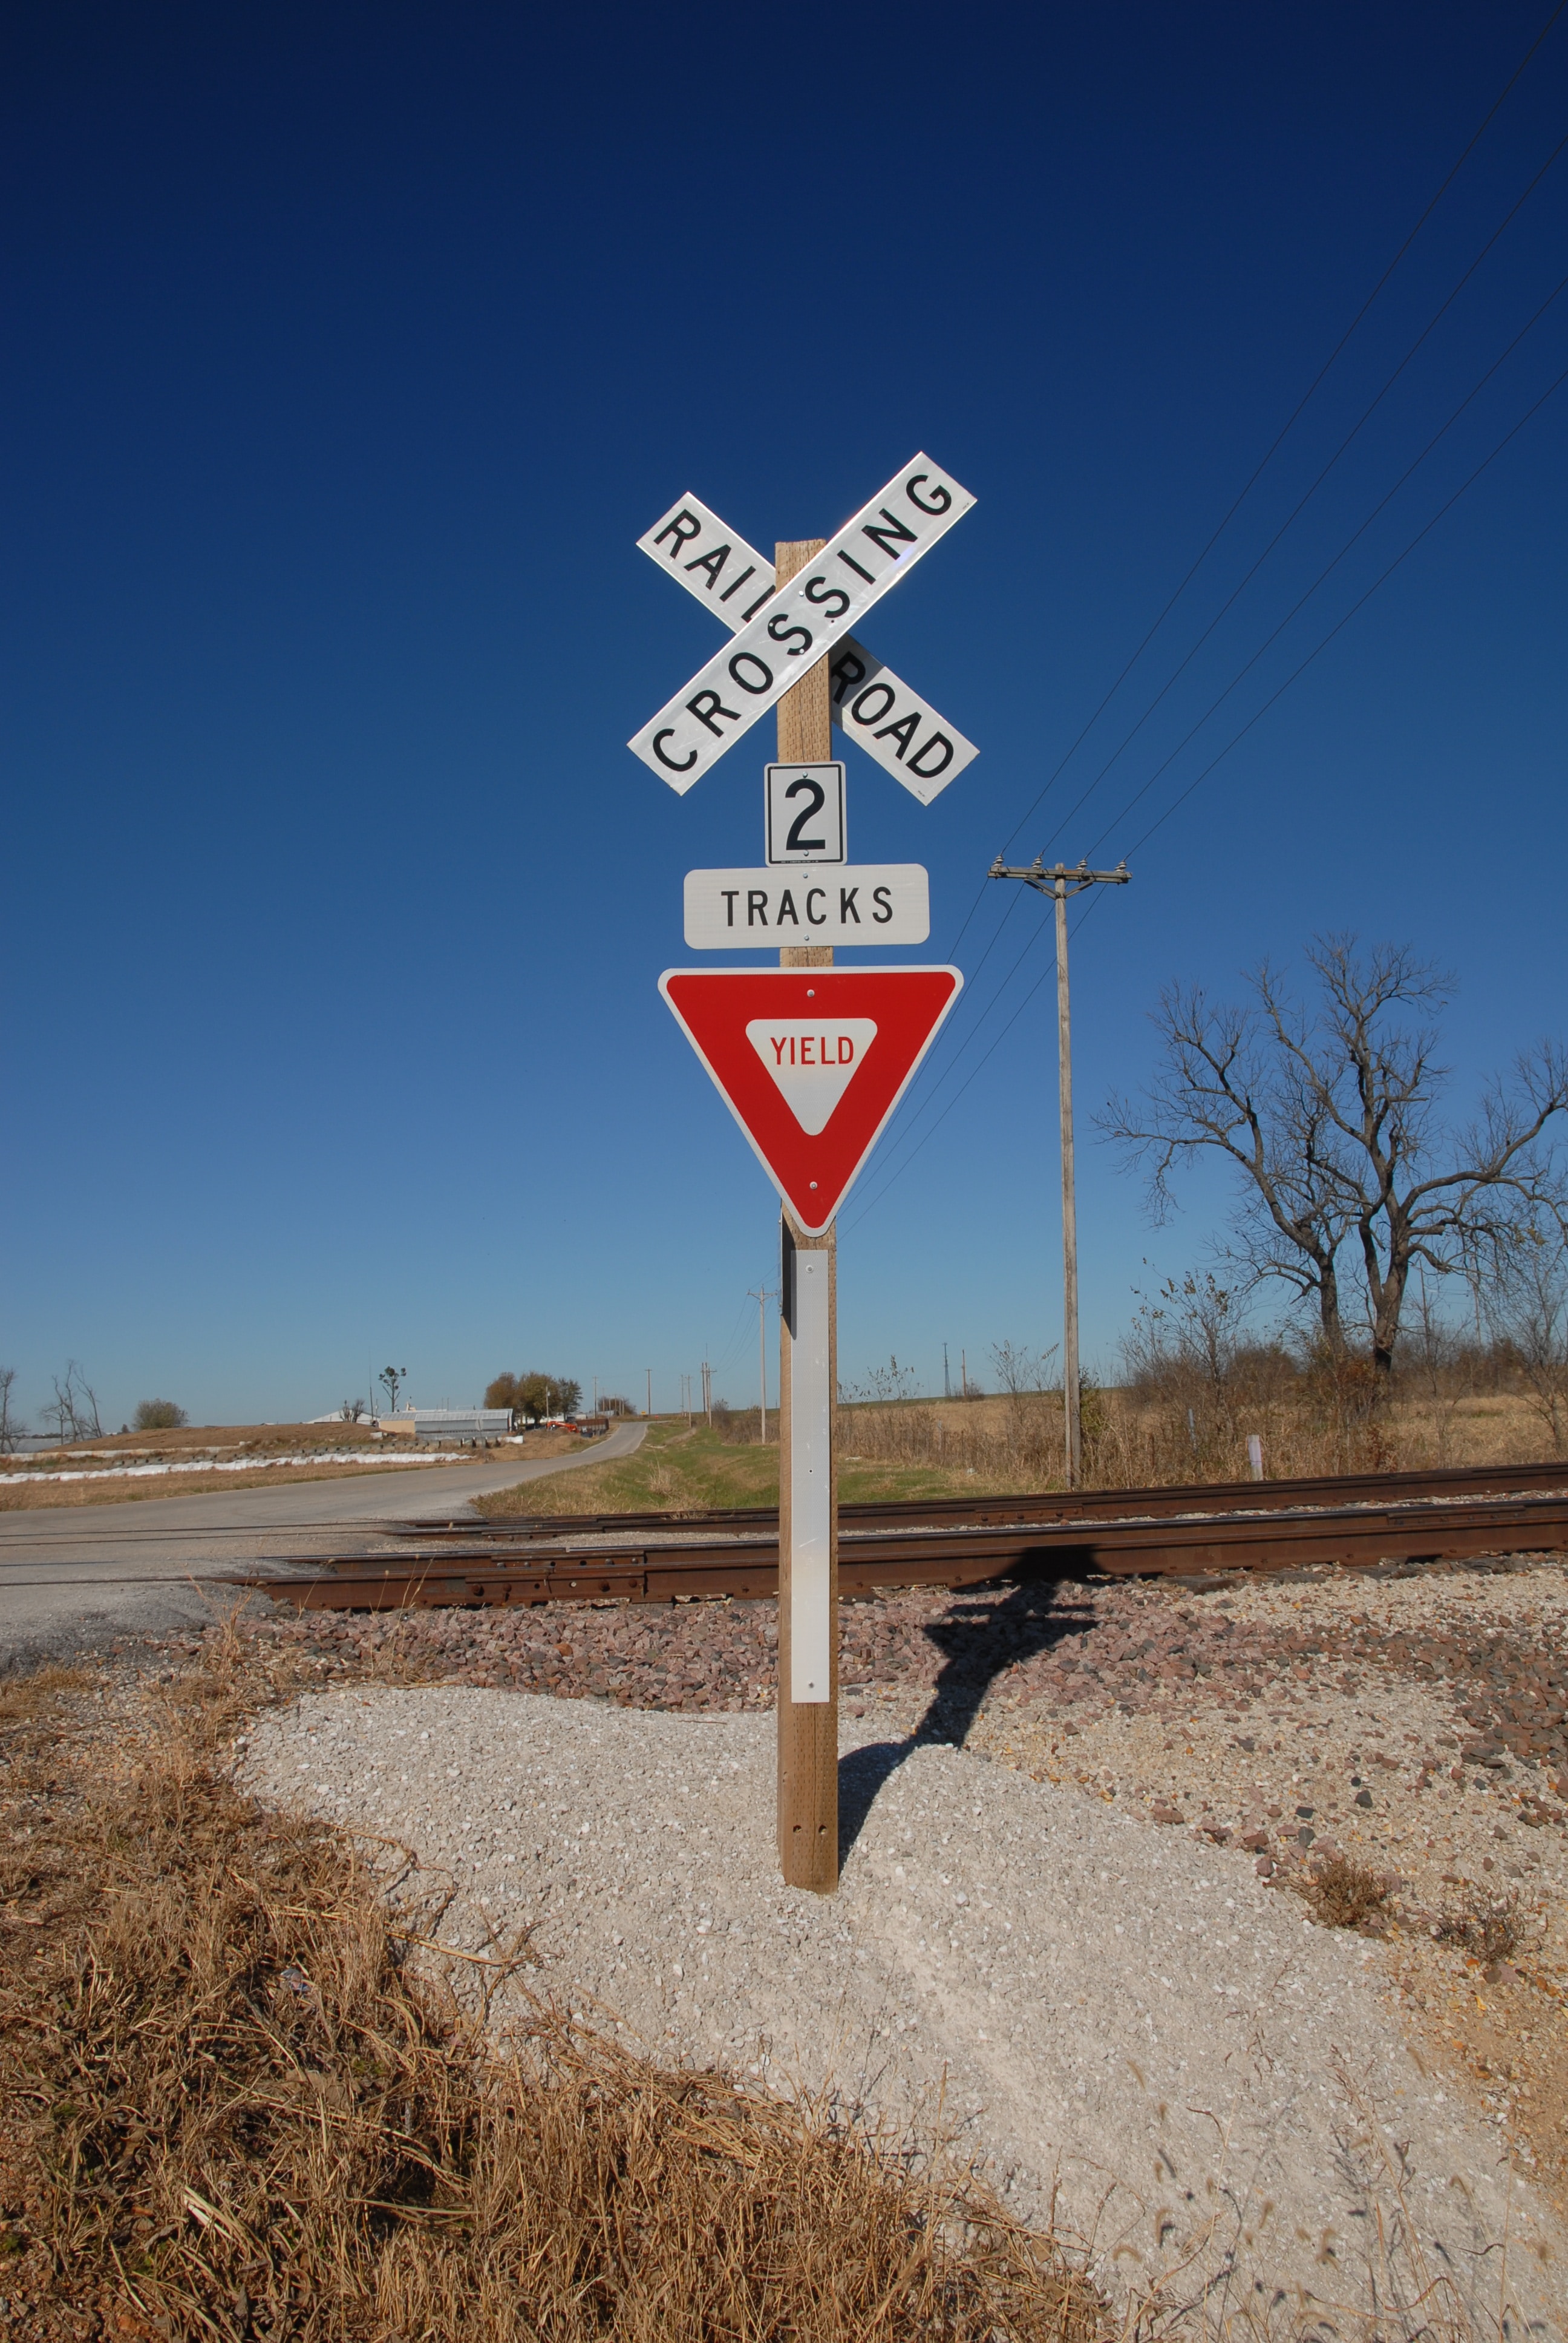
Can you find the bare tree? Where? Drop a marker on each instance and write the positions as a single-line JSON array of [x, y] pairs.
[[1521, 1286], [12, 1428], [350, 1410], [1023, 1373], [1331, 1116], [1026, 1379], [391, 1382], [73, 1409], [881, 1387]]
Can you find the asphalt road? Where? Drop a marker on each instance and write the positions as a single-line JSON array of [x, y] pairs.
[[75, 1576]]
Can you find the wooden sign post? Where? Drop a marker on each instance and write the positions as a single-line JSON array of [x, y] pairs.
[[808, 1730]]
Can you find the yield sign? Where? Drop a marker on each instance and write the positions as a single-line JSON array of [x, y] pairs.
[[811, 1062]]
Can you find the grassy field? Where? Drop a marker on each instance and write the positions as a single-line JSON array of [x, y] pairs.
[[995, 1446], [677, 1471]]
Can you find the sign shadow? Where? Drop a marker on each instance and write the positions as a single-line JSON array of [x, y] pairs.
[[978, 1641]]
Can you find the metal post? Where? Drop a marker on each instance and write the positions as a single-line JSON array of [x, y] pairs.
[[761, 1296], [1059, 883], [808, 1387]]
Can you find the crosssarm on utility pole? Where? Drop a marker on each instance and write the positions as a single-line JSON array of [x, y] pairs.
[[1058, 881]]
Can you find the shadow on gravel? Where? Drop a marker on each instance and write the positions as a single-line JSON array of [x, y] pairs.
[[978, 1640]]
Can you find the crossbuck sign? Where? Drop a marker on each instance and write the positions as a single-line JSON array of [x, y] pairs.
[[781, 632]]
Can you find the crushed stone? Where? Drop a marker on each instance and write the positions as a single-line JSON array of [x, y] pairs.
[[1109, 2013]]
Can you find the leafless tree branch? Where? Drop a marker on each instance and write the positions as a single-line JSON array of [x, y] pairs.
[[1333, 1120]]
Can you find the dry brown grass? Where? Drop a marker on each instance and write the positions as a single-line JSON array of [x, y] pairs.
[[1135, 1441], [1344, 1894], [1492, 1928], [231, 2108]]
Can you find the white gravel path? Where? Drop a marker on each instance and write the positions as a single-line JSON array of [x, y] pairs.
[[1213, 2084]]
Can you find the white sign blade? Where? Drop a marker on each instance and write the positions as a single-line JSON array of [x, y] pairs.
[[801, 623], [710, 562], [724, 572], [894, 724], [855, 903]]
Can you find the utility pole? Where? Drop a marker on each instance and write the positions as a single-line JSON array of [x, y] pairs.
[[761, 1295], [648, 1373], [708, 1392], [807, 1459], [946, 1379], [1059, 882]]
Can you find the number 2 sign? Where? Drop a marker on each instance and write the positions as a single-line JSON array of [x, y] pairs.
[[806, 813]]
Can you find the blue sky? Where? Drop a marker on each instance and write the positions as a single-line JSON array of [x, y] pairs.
[[349, 350]]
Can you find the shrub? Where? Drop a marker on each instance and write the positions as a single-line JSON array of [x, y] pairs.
[[159, 1415], [1346, 1894]]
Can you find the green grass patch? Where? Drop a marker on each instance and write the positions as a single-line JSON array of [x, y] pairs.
[[675, 1472]]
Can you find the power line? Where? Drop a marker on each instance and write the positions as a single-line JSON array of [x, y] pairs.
[[956, 1055], [1354, 538], [898, 1173], [1303, 502], [1292, 419], [1279, 441], [1339, 624], [1233, 742]]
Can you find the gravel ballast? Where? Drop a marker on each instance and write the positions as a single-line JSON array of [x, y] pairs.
[[1218, 2091]]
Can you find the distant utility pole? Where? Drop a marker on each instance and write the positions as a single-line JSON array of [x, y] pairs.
[[708, 1392], [648, 1373], [946, 1379], [761, 1295], [1059, 882]]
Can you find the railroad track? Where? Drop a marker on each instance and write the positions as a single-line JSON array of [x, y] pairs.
[[1358, 1521], [1052, 1505]]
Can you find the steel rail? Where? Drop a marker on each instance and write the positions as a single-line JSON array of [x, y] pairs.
[[678, 1563], [1056, 1504]]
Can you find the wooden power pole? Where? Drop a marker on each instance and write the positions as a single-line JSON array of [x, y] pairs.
[[808, 1730], [1059, 882]]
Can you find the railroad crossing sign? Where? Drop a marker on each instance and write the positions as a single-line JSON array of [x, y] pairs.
[[781, 632], [811, 1062]]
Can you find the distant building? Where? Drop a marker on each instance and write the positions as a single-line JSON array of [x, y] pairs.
[[464, 1426]]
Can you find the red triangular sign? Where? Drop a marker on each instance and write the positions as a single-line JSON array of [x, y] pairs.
[[811, 1061]]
